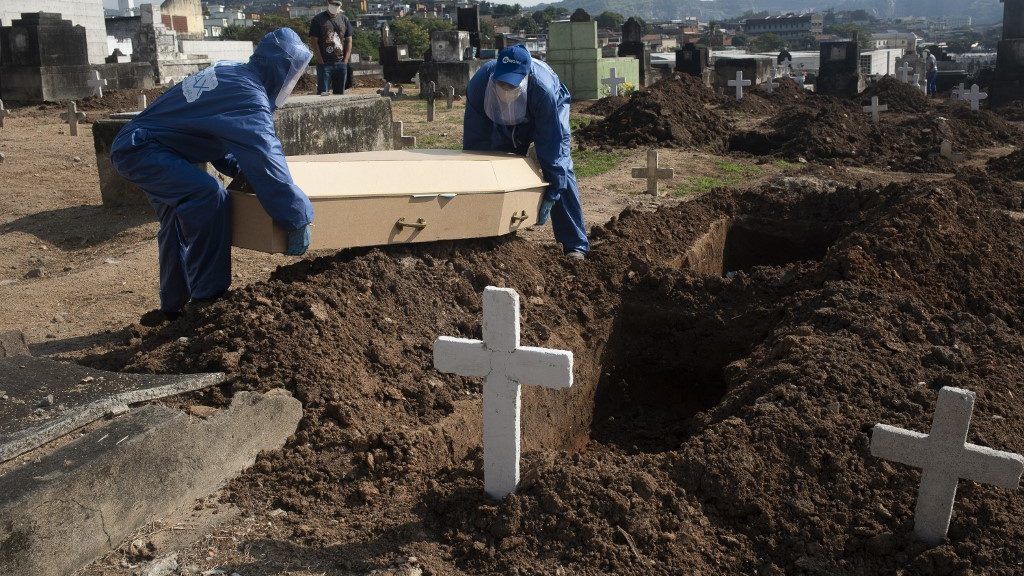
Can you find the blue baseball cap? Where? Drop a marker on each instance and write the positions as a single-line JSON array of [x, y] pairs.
[[513, 64]]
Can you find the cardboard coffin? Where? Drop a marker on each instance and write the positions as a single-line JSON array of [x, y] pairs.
[[398, 196]]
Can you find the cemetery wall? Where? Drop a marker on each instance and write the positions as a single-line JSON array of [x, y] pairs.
[[85, 13], [236, 51]]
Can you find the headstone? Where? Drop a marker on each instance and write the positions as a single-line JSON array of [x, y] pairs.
[[394, 59], [903, 72], [975, 97], [449, 96], [73, 117], [771, 84], [97, 84], [386, 91], [4, 113], [12, 343], [448, 45], [613, 82], [469, 21], [875, 108], [431, 94], [946, 151], [143, 102], [959, 92], [448, 64], [945, 457], [1008, 82], [652, 173], [692, 59], [402, 141], [632, 44], [839, 72], [43, 59], [756, 69], [506, 365], [739, 83]]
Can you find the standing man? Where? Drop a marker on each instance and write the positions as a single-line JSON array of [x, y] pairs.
[[513, 101], [330, 39], [933, 72], [222, 115]]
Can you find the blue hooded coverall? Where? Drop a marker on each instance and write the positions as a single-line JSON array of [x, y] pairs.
[[221, 115], [547, 127]]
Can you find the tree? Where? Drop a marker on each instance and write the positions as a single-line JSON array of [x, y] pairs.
[[740, 40], [408, 32], [851, 30], [366, 43], [268, 23], [486, 34], [527, 25], [610, 20], [713, 36], [766, 43], [504, 10]]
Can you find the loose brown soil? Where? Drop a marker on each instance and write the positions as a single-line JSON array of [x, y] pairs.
[[899, 97], [732, 354], [1010, 166], [674, 112]]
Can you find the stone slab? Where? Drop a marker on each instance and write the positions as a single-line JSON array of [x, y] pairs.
[[64, 511], [46, 399], [12, 343]]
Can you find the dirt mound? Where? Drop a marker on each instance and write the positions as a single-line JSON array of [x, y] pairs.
[[732, 354], [602, 107], [673, 112], [760, 102], [898, 96], [1013, 111], [832, 130], [1010, 166]]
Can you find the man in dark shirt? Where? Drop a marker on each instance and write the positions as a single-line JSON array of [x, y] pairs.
[[330, 39]]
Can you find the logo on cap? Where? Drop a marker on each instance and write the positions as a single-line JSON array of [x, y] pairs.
[[507, 60]]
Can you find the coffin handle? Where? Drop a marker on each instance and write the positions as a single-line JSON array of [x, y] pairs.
[[420, 224], [519, 218]]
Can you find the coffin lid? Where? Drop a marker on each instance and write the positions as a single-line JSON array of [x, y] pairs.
[[413, 173]]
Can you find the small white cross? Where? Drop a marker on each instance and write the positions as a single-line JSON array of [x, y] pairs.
[[73, 117], [613, 82], [801, 78], [787, 66], [874, 109], [975, 97], [97, 83], [402, 141], [507, 366], [771, 84], [4, 113], [739, 83], [945, 457], [652, 173], [917, 81], [904, 71], [959, 92]]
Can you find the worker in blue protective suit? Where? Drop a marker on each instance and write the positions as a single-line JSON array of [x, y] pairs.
[[514, 101], [222, 115]]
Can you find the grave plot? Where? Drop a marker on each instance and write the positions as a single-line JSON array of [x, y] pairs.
[[1010, 166], [899, 96], [731, 357]]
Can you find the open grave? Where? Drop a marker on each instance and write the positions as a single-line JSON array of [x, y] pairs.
[[731, 356]]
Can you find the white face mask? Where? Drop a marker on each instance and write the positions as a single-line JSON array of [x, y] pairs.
[[504, 104], [334, 9]]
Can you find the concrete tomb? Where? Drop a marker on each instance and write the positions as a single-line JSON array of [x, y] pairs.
[[739, 83], [506, 365], [448, 65], [839, 72], [43, 59], [305, 124], [632, 44], [756, 70], [468, 20], [574, 54], [692, 59], [652, 173], [875, 108], [945, 457], [399, 197], [398, 67], [72, 117], [1008, 83]]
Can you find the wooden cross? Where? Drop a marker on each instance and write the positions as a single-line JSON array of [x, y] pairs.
[[945, 457], [431, 89], [97, 83], [449, 96], [507, 366], [73, 117], [613, 82], [874, 109], [739, 83], [652, 173]]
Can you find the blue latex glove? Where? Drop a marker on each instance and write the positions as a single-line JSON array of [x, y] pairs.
[[545, 211], [298, 241]]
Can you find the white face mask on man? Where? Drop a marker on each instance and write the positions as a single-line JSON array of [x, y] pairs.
[[506, 104], [334, 9]]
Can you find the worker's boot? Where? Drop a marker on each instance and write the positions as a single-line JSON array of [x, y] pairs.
[[158, 317]]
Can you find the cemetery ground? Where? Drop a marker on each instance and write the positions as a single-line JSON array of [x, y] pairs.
[[735, 341]]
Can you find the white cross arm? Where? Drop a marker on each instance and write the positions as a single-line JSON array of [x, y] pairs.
[[899, 445], [462, 356], [987, 466], [660, 173], [541, 367]]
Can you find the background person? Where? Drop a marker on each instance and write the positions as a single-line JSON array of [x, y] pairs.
[[330, 39]]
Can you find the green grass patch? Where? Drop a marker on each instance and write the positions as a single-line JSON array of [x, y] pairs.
[[727, 174], [434, 141], [577, 122], [590, 163], [699, 185]]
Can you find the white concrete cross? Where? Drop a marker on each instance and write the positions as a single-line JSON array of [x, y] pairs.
[[739, 83], [401, 140], [771, 84], [904, 71], [143, 102], [945, 457], [97, 83], [449, 96], [923, 85], [73, 117], [917, 81], [787, 66], [801, 79], [959, 92], [652, 173], [431, 94], [875, 108], [507, 366], [4, 113], [975, 97], [613, 82]]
